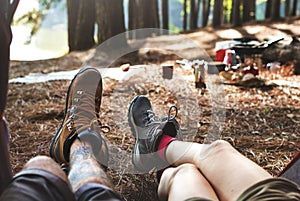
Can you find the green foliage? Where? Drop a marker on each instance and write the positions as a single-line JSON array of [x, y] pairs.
[[34, 18], [188, 6], [227, 9], [46, 4], [267, 110], [174, 29]]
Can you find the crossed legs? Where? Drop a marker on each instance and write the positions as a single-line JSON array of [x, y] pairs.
[[216, 171], [183, 182]]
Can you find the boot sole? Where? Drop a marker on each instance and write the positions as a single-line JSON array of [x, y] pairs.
[[136, 156]]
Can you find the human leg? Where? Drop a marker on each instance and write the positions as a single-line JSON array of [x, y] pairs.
[[84, 168], [88, 179], [78, 143], [82, 109], [184, 182], [42, 180], [152, 134], [228, 171]]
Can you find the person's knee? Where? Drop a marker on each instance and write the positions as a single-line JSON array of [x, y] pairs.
[[168, 177], [173, 171], [218, 147], [39, 161], [185, 168], [45, 163]]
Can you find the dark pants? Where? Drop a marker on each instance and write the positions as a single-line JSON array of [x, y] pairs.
[[40, 185]]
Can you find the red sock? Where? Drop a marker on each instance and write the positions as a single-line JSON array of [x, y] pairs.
[[165, 141]]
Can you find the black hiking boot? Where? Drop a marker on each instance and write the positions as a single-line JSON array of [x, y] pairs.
[[148, 130]]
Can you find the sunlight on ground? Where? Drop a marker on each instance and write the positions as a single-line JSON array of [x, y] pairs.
[[229, 34], [254, 30], [113, 73], [267, 33], [287, 27]]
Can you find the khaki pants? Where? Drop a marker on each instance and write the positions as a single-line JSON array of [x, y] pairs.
[[273, 189]]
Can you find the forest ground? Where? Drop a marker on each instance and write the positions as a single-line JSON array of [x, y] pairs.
[[262, 122]]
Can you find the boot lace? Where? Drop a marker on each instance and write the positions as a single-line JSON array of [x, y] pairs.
[[150, 116], [172, 116], [83, 114]]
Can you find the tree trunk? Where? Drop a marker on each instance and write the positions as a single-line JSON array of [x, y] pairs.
[[198, 6], [193, 15], [217, 13], [117, 17], [236, 13], [268, 9], [110, 20], [185, 15], [165, 14], [144, 15], [155, 11], [275, 14], [252, 9], [294, 10], [248, 10], [131, 18], [6, 37], [4, 8], [81, 24], [197, 10], [205, 12], [102, 20], [150, 17], [287, 8], [232, 11]]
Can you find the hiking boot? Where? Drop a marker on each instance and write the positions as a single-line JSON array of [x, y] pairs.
[[81, 118], [148, 130]]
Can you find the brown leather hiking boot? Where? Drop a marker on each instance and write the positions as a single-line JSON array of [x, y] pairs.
[[81, 118]]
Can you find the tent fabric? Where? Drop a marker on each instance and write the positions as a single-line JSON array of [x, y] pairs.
[[292, 170]]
